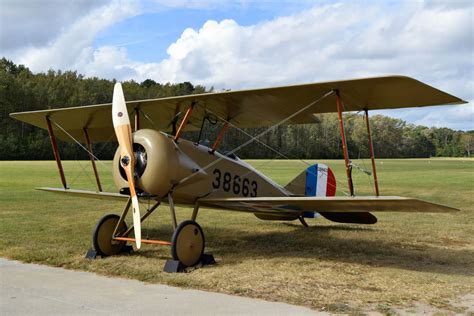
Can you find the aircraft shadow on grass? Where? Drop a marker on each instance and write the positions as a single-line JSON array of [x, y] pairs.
[[319, 242]]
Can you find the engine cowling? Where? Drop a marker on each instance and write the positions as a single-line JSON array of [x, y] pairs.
[[159, 163]]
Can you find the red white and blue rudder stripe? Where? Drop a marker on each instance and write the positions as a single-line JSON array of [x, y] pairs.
[[320, 181]]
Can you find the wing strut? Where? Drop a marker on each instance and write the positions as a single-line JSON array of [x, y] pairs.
[[56, 152], [91, 157], [344, 143], [371, 148]]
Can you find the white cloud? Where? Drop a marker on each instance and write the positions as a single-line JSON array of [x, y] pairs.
[[329, 42], [25, 23], [188, 4], [286, 49], [72, 49], [107, 60], [460, 117], [431, 41]]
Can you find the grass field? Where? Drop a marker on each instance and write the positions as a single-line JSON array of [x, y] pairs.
[[404, 258]]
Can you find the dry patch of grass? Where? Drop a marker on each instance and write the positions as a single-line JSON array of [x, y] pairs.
[[403, 259]]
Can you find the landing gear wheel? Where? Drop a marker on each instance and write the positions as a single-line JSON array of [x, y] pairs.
[[102, 240], [187, 244]]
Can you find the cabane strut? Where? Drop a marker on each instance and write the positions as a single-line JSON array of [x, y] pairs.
[[219, 137], [184, 122]]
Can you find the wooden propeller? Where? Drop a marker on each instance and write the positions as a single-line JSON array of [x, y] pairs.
[[123, 131]]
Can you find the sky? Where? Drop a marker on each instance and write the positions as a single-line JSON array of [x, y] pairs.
[[252, 44]]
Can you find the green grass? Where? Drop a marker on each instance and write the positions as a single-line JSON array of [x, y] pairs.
[[402, 259]]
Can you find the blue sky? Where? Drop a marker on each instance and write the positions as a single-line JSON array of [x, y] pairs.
[[250, 44], [148, 35]]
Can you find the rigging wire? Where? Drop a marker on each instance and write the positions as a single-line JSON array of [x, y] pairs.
[[149, 119], [83, 147], [80, 174], [109, 172], [254, 138], [279, 154], [75, 140]]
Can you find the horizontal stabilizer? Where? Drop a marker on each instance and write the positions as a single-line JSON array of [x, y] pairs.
[[336, 204]]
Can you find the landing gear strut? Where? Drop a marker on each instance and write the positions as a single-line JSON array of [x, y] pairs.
[[187, 243], [110, 237]]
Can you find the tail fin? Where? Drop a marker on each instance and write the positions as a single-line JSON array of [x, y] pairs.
[[316, 180], [319, 180]]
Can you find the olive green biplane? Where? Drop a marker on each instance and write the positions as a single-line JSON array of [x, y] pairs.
[[153, 166]]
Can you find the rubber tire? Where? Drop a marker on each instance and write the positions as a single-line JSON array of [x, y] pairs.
[[100, 237], [176, 243]]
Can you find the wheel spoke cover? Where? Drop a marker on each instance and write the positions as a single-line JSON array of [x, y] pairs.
[[188, 243], [102, 236]]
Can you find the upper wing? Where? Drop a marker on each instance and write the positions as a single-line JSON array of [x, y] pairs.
[[327, 204], [247, 108]]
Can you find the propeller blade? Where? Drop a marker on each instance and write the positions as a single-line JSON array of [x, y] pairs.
[[123, 131]]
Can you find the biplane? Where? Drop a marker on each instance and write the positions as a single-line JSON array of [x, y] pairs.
[[151, 165]]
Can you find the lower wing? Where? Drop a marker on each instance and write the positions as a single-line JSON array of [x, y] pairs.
[[337, 209], [327, 204]]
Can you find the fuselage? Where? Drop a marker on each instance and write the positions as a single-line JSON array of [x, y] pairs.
[[192, 171]]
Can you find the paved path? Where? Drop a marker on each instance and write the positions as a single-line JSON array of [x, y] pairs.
[[36, 289]]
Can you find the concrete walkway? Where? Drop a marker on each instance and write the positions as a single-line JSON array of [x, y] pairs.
[[36, 289]]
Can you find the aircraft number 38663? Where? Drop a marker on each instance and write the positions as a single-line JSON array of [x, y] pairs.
[[236, 183]]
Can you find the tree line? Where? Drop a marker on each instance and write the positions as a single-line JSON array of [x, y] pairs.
[[23, 90]]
